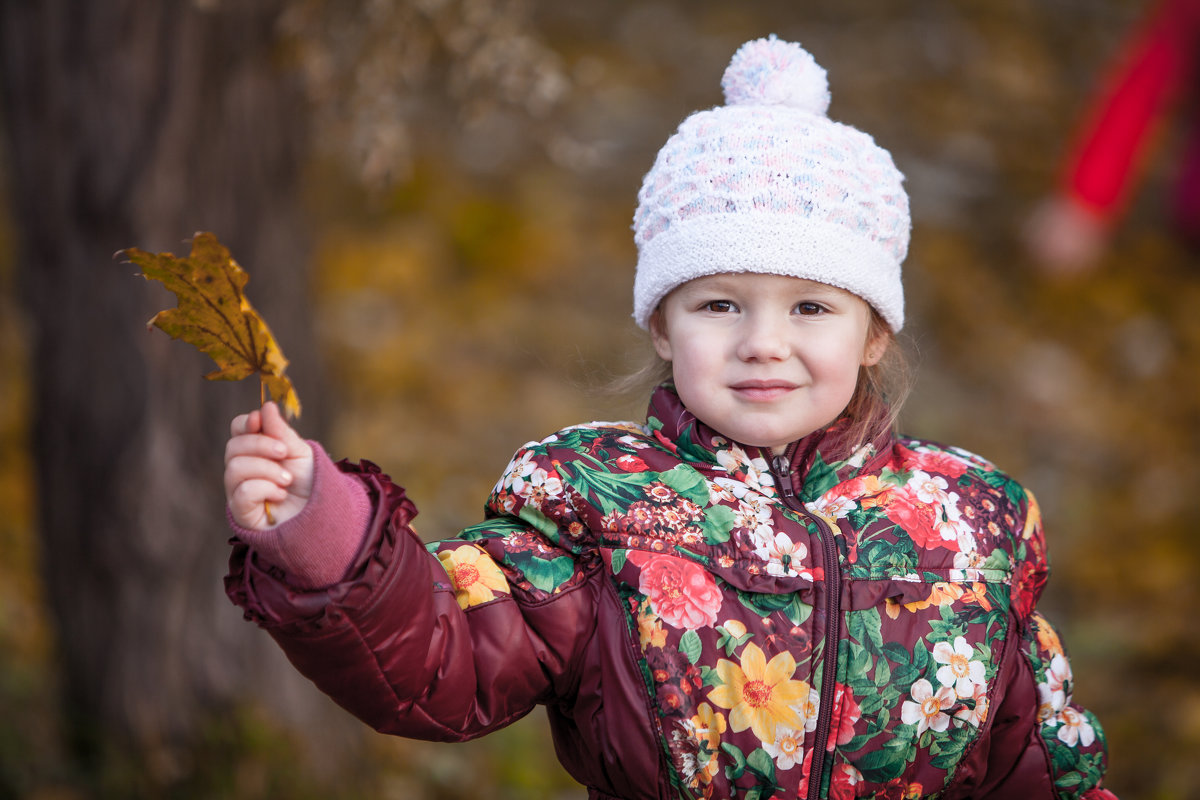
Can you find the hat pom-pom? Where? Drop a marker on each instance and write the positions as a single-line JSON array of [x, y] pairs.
[[774, 72]]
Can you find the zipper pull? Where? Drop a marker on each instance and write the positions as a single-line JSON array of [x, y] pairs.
[[783, 473]]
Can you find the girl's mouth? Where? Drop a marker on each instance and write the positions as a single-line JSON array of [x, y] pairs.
[[763, 390]]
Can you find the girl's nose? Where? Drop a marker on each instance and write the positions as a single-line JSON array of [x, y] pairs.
[[763, 339]]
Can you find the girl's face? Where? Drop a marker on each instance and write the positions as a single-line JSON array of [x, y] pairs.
[[764, 359]]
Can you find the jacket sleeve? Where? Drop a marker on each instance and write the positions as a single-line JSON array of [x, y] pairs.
[[1041, 744], [448, 641]]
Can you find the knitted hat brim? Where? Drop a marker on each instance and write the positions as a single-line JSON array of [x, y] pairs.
[[747, 242]]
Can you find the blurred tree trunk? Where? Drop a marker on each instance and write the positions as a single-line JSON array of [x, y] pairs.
[[138, 122]]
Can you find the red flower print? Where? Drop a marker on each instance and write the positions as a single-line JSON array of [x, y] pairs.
[[681, 593], [919, 520], [938, 463], [843, 782], [1028, 588], [630, 463], [848, 712]]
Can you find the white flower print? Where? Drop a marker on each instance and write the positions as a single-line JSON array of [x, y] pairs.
[[810, 710], [968, 563], [529, 480], [753, 513], [1075, 728], [1058, 681], [788, 748], [758, 475], [927, 710], [861, 455], [928, 488], [955, 529], [978, 715], [782, 555], [831, 507], [718, 493], [518, 469], [959, 670], [1047, 714]]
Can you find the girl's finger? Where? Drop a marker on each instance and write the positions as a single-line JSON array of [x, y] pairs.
[[245, 423], [247, 498], [253, 444], [244, 469]]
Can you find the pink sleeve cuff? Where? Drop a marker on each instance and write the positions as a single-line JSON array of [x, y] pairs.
[[316, 547]]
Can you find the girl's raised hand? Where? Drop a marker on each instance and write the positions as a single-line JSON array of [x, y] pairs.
[[266, 461]]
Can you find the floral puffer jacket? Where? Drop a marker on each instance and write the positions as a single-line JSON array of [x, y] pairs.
[[702, 619]]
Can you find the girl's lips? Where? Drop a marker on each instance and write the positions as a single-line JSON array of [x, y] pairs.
[[758, 390]]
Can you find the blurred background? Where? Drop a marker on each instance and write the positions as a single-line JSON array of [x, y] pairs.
[[433, 201]]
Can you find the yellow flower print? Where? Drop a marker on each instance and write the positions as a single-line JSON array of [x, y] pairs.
[[1048, 639], [942, 594], [1033, 517], [475, 577], [892, 606], [707, 726], [650, 630], [760, 695]]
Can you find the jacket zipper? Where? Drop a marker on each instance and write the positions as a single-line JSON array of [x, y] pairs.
[[782, 466]]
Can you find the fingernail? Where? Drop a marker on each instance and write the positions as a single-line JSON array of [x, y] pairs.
[[285, 476]]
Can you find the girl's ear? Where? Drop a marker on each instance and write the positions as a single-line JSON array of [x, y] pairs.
[[658, 334], [876, 347]]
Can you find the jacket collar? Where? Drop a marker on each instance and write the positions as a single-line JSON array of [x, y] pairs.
[[827, 451]]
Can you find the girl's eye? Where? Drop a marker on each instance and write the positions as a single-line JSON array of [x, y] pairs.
[[719, 306], [809, 309]]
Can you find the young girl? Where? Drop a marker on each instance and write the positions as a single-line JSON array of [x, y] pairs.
[[761, 591]]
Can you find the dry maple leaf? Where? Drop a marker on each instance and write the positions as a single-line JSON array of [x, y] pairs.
[[214, 315]]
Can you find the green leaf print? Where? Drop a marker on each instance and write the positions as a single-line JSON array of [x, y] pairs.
[[881, 553], [998, 480], [493, 528], [866, 627], [718, 522], [766, 604], [821, 478], [688, 483], [608, 491], [690, 646], [998, 560], [1069, 781], [889, 475], [539, 521], [860, 661], [760, 762], [738, 767], [618, 560], [549, 575], [948, 627], [729, 642], [920, 658], [869, 702], [880, 766], [883, 673], [947, 750]]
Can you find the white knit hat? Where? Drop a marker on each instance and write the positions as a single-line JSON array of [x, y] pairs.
[[768, 183]]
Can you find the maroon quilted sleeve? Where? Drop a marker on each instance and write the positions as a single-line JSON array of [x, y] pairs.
[[422, 645]]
